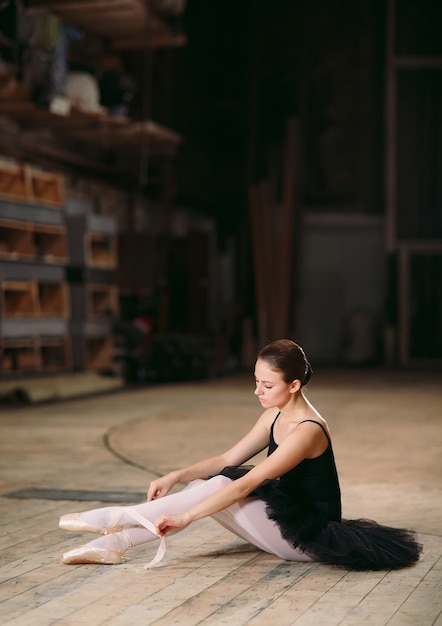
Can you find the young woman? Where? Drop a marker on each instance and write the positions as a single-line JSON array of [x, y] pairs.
[[288, 505]]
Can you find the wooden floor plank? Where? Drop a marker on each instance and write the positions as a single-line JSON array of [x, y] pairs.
[[258, 596], [206, 604], [210, 577], [158, 605], [300, 597], [424, 604]]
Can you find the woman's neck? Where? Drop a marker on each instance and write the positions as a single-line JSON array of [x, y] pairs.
[[296, 409]]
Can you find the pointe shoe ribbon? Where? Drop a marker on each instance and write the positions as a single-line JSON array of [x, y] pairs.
[[150, 527]]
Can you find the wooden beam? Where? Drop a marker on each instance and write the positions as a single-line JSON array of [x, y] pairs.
[[90, 126]]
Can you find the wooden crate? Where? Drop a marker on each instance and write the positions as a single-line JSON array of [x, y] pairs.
[[53, 299], [50, 243], [26, 240], [28, 184], [15, 182], [22, 298], [98, 353], [54, 353], [20, 356], [34, 354], [19, 298], [101, 250], [16, 240], [46, 187], [102, 301]]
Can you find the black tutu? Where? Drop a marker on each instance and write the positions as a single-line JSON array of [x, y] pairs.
[[354, 544]]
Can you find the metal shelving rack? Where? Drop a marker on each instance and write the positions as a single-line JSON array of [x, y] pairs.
[[34, 295], [94, 297]]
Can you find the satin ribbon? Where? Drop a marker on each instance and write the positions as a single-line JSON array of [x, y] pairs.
[[151, 528]]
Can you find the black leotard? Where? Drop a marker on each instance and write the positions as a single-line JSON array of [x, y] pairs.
[[313, 480]]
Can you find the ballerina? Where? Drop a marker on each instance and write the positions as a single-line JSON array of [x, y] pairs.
[[288, 505]]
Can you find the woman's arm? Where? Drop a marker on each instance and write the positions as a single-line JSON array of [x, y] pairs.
[[253, 442], [297, 446]]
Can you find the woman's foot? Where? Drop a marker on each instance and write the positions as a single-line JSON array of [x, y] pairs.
[[74, 523], [91, 554], [107, 550]]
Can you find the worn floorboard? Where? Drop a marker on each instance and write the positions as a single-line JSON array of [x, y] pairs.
[[387, 429]]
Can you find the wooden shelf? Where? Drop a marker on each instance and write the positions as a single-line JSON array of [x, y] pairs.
[[102, 301], [101, 250], [29, 241], [124, 24]]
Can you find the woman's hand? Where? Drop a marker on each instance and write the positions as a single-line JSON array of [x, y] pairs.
[[161, 486], [166, 523]]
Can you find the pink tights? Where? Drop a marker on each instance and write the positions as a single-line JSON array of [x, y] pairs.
[[247, 519]]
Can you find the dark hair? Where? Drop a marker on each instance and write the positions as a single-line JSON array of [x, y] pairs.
[[287, 357]]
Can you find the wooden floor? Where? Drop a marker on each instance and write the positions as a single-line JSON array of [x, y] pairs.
[[76, 454]]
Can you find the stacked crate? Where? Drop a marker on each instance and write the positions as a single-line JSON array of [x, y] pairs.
[[34, 295], [92, 279]]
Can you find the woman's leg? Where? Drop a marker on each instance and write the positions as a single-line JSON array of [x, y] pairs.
[[179, 502], [111, 547], [247, 519]]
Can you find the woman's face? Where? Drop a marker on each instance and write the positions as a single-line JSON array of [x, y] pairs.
[[271, 388]]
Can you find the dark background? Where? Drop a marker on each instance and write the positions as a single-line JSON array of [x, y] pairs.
[[360, 257]]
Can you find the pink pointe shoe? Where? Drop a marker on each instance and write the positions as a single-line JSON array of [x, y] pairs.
[[74, 523], [89, 554]]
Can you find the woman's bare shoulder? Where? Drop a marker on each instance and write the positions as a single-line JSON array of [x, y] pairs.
[[267, 418], [314, 428]]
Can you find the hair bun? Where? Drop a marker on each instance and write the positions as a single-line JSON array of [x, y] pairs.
[[308, 373]]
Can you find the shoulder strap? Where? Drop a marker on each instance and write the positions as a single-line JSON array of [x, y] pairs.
[[319, 424], [274, 421]]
